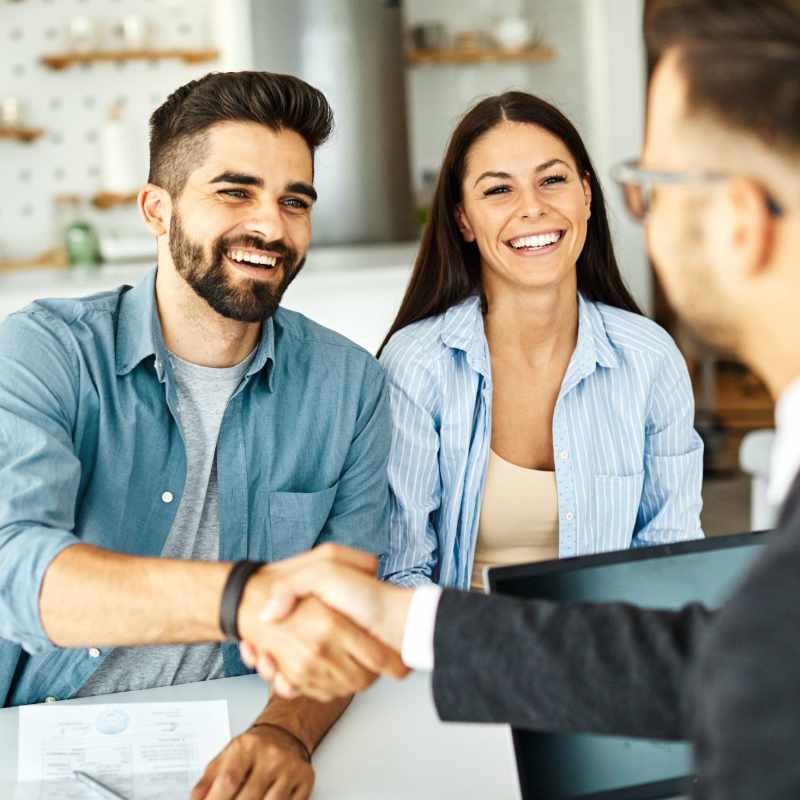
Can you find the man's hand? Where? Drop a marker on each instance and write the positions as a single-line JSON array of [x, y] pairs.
[[265, 762], [260, 587], [321, 653], [377, 607], [325, 655]]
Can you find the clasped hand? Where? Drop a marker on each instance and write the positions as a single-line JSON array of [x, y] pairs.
[[321, 625]]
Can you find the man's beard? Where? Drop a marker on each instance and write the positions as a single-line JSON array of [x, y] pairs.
[[244, 301]]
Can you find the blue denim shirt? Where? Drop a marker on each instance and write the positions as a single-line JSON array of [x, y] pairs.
[[90, 445]]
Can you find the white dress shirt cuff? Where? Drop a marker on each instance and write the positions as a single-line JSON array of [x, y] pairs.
[[417, 652]]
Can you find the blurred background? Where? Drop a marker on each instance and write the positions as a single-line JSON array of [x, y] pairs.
[[79, 79]]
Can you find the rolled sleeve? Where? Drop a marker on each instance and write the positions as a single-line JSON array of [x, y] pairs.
[[39, 470], [414, 476], [673, 460]]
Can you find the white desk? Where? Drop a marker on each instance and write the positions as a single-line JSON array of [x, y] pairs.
[[389, 744]]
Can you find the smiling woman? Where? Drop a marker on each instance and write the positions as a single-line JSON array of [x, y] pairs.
[[537, 413]]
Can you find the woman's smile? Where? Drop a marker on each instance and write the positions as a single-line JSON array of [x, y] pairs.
[[536, 244]]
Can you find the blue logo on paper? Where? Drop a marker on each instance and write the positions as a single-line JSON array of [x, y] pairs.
[[112, 722]]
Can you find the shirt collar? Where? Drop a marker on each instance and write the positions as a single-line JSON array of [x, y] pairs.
[[139, 328], [593, 349], [265, 354], [139, 333], [593, 338], [462, 329]]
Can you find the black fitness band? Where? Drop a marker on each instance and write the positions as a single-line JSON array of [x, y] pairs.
[[232, 596]]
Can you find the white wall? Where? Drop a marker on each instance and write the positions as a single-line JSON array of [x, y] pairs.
[[614, 65]]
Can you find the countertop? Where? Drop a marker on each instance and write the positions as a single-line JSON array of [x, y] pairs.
[[353, 289]]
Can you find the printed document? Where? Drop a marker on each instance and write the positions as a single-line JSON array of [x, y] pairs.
[[142, 751]]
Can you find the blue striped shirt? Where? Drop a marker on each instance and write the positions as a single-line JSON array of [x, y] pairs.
[[629, 464]]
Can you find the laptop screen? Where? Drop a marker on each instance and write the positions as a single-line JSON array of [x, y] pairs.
[[558, 766]]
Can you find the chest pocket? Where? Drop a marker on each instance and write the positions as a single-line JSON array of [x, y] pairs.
[[616, 504], [296, 520]]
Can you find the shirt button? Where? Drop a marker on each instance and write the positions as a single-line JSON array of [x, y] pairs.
[[563, 455], [167, 497], [569, 516], [94, 652], [49, 699]]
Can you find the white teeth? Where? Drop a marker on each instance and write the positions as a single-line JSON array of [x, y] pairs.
[[251, 258], [541, 240]]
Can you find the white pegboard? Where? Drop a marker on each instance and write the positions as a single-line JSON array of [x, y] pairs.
[[72, 106]]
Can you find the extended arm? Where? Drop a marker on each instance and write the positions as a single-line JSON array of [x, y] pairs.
[[604, 668], [91, 596]]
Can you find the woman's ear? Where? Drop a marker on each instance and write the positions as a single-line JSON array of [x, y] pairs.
[[587, 194], [463, 225]]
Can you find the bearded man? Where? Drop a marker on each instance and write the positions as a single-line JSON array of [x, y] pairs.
[[151, 436]]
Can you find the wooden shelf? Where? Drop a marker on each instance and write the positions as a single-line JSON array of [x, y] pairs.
[[50, 259], [64, 60], [106, 200], [21, 134], [532, 55]]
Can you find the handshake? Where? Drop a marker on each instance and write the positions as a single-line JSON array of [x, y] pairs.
[[321, 625]]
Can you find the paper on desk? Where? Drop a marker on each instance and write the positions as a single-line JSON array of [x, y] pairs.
[[143, 751]]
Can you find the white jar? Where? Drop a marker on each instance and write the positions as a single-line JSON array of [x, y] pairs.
[[513, 33]]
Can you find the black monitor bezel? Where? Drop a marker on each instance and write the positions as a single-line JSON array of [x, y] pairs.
[[495, 575]]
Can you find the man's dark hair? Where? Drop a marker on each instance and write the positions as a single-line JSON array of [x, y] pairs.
[[179, 127], [740, 58]]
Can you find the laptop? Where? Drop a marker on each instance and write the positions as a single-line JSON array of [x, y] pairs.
[[553, 766]]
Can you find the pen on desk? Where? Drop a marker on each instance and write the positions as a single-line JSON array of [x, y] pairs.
[[96, 786]]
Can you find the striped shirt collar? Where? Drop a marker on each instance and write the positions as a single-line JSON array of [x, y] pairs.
[[462, 329]]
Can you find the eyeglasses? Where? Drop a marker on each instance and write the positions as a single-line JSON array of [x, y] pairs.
[[637, 186]]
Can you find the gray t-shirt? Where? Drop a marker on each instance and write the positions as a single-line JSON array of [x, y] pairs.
[[203, 394]]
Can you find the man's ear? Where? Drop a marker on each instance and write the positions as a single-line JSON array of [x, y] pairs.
[[155, 206], [751, 236], [463, 225]]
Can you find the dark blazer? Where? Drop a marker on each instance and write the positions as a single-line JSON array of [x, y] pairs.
[[730, 680], [746, 721]]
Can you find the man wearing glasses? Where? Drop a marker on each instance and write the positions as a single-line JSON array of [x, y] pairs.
[[719, 189]]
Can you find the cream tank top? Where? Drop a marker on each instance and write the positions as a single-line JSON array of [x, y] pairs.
[[519, 517]]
